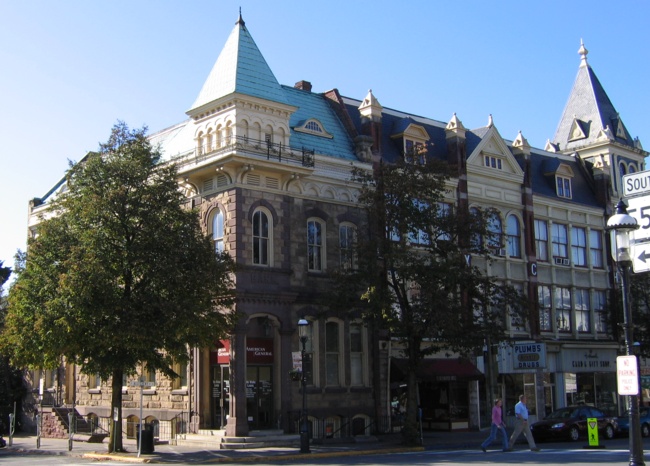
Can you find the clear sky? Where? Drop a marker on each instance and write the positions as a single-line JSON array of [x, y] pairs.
[[70, 69]]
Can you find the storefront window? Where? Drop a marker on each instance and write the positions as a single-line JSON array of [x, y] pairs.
[[593, 389]]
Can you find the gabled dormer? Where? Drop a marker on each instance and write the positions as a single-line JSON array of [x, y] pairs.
[[561, 175], [412, 139], [492, 157]]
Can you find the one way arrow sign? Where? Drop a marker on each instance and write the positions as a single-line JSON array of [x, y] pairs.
[[641, 257]]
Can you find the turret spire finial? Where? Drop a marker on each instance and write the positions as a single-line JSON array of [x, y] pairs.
[[240, 20], [583, 53]]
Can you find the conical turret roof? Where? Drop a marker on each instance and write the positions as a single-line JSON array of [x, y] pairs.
[[589, 114], [240, 68]]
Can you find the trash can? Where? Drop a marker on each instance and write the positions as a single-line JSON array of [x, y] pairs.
[[147, 438]]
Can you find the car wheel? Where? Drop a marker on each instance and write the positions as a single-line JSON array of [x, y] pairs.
[[645, 430], [609, 432], [574, 433]]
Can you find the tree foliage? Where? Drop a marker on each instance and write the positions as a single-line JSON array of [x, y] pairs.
[[120, 274], [415, 267], [11, 378]]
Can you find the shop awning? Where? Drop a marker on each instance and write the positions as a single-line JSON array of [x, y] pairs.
[[437, 370]]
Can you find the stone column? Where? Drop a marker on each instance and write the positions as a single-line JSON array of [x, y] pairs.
[[237, 425]]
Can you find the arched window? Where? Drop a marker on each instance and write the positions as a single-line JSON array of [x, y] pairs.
[[245, 130], [332, 353], [513, 232], [208, 141], [347, 235], [476, 240], [268, 134], [257, 131], [357, 356], [218, 230], [261, 240], [228, 134], [315, 245], [199, 143], [495, 230], [219, 138]]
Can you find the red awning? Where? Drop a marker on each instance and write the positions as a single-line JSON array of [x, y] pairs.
[[437, 370]]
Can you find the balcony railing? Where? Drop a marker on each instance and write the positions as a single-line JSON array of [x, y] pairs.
[[253, 147]]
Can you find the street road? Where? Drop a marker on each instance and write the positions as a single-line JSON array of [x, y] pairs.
[[552, 454]]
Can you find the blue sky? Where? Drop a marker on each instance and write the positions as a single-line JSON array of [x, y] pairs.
[[71, 69]]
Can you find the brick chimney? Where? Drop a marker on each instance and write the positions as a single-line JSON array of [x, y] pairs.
[[303, 85]]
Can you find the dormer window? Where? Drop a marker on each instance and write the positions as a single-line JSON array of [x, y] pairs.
[[562, 174], [493, 162], [414, 151], [577, 131], [313, 126], [563, 186]]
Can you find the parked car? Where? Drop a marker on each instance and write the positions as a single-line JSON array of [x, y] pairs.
[[570, 423], [644, 418]]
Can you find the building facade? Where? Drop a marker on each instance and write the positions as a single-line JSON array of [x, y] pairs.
[[268, 169]]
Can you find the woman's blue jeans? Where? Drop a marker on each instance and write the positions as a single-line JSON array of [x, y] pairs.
[[493, 435]]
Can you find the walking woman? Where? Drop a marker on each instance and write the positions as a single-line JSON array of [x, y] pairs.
[[497, 425]]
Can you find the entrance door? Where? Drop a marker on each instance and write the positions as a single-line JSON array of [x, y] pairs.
[[220, 396], [259, 397]]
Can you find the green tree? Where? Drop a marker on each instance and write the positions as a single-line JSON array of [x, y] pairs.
[[11, 378], [415, 266], [120, 275]]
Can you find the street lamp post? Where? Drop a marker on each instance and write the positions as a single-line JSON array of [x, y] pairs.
[[304, 428], [621, 223]]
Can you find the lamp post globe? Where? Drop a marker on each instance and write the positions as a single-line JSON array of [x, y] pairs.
[[622, 224]]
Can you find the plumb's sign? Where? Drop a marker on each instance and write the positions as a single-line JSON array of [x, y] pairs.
[[529, 355]]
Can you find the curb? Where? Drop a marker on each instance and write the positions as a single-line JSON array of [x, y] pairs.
[[261, 458]]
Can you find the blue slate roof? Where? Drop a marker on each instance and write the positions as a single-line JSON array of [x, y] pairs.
[[543, 167], [544, 164], [240, 68], [589, 103], [311, 105]]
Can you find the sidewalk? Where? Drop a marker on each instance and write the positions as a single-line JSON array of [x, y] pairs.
[[164, 453]]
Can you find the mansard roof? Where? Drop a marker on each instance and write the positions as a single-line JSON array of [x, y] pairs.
[[315, 106], [240, 68], [543, 182], [589, 113]]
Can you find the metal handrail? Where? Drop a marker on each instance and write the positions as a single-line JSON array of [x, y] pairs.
[[262, 148]]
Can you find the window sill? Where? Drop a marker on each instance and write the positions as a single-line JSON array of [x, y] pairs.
[[180, 391], [94, 391]]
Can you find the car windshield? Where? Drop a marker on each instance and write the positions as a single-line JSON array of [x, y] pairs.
[[564, 413]]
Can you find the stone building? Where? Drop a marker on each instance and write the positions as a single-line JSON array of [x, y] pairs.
[[267, 166]]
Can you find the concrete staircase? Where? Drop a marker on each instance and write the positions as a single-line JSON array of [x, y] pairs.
[[217, 439]]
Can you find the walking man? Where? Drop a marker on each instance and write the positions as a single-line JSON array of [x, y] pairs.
[[497, 425], [521, 425]]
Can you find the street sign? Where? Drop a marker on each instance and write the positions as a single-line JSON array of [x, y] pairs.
[[592, 431], [627, 375], [635, 184], [136, 383], [639, 208]]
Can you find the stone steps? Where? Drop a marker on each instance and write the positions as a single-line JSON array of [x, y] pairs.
[[255, 439]]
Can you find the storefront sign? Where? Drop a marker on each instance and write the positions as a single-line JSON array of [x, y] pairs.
[[588, 360], [529, 355], [258, 351]]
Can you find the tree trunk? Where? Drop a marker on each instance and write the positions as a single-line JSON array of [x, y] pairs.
[[115, 443]]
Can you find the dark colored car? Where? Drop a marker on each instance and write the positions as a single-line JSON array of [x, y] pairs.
[[644, 417], [570, 423]]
